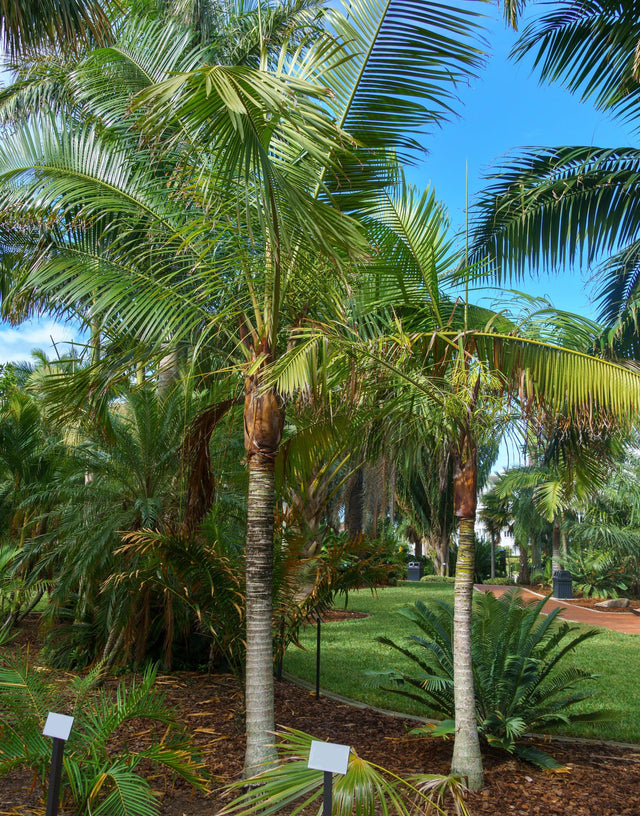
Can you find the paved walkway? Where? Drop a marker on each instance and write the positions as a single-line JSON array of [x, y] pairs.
[[625, 622]]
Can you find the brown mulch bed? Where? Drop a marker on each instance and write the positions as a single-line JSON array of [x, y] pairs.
[[336, 615], [602, 780]]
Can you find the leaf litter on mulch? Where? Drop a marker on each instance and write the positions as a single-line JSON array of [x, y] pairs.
[[602, 779]]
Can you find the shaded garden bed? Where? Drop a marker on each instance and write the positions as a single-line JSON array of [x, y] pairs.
[[601, 779]]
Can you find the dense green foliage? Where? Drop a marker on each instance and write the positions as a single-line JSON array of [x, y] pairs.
[[96, 777]]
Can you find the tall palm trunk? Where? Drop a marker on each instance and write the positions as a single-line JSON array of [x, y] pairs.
[[524, 573], [494, 542], [467, 759], [354, 501], [556, 558], [263, 421]]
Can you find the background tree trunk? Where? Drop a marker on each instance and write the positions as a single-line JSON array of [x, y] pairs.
[[524, 573], [556, 558], [354, 504], [493, 555]]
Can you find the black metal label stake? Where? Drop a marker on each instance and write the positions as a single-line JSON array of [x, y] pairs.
[[318, 619], [331, 758], [327, 794], [59, 727]]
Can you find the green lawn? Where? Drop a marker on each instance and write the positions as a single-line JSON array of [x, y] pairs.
[[349, 649]]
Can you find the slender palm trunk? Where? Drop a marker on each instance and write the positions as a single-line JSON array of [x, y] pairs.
[[466, 750], [565, 548], [524, 573], [354, 510], [260, 723], [555, 545], [493, 556], [467, 759], [263, 421]]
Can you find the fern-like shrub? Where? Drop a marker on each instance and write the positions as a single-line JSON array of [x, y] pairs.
[[98, 779], [520, 682], [501, 581]]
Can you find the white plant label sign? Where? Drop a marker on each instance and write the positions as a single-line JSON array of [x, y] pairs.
[[58, 726], [329, 756]]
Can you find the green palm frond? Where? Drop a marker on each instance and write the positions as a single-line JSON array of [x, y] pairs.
[[618, 287], [606, 536], [556, 206], [29, 23], [43, 86], [145, 52], [406, 59], [559, 378], [363, 790], [590, 48], [126, 793], [412, 250]]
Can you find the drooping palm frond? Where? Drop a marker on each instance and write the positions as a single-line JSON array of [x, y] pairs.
[[606, 536], [551, 207], [406, 59], [145, 51], [362, 789], [97, 258], [28, 23], [560, 378], [272, 148], [43, 85], [591, 47]]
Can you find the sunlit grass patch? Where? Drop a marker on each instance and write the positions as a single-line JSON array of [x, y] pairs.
[[349, 650]]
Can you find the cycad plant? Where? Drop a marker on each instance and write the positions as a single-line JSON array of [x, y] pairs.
[[520, 681], [97, 778]]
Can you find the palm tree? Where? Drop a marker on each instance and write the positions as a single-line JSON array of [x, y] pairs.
[[434, 351], [219, 219], [495, 517]]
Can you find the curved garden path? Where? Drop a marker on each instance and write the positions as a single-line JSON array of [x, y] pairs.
[[624, 621]]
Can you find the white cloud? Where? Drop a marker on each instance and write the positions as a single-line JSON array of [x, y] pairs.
[[17, 342]]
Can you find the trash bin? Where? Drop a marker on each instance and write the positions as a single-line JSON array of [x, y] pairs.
[[415, 570], [562, 584]]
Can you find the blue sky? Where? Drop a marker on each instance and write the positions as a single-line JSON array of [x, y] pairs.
[[503, 109]]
